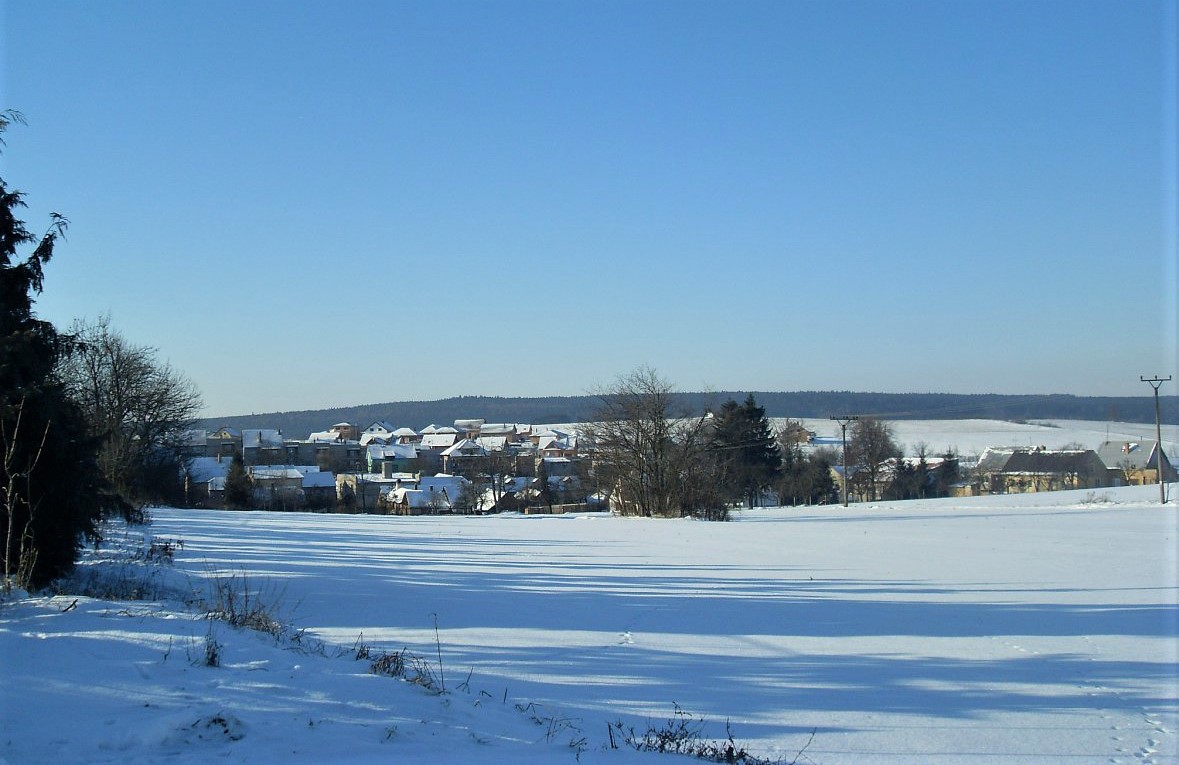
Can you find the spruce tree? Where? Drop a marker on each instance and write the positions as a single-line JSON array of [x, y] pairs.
[[51, 492], [746, 449], [544, 495], [821, 484], [239, 489], [946, 474]]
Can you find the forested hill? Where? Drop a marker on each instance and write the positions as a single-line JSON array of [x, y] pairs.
[[565, 409]]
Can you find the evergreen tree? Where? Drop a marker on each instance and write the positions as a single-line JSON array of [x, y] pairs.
[[921, 480], [946, 474], [790, 479], [544, 489], [239, 489], [51, 492], [904, 483], [821, 483], [746, 450], [805, 479]]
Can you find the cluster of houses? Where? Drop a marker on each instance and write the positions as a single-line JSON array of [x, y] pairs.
[[470, 466], [475, 466], [1023, 469], [1030, 469]]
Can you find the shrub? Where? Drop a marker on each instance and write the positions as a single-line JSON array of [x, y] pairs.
[[238, 604], [681, 734]]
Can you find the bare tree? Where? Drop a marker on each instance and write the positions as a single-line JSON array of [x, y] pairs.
[[652, 459], [870, 448], [20, 557], [139, 406]]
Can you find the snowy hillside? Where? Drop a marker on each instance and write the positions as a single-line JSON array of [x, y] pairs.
[[1015, 629]]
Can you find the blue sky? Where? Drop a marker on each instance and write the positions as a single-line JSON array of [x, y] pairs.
[[306, 205]]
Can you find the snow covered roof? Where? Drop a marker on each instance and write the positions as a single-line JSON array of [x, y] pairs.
[[194, 437], [269, 472], [417, 498], [202, 469], [465, 448], [518, 483], [1136, 455], [453, 484], [404, 432], [261, 438], [392, 451], [493, 443], [320, 480], [325, 436], [995, 458], [380, 427], [1049, 462], [560, 443], [439, 440]]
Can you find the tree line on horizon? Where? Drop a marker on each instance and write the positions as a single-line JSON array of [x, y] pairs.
[[781, 404]]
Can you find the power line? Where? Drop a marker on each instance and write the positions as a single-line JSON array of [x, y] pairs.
[[844, 421], [1156, 382]]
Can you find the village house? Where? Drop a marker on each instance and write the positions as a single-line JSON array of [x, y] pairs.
[[223, 441], [1135, 463], [391, 458], [468, 428], [379, 432], [1015, 470], [507, 431], [407, 436], [466, 455], [203, 479], [361, 492], [406, 501]]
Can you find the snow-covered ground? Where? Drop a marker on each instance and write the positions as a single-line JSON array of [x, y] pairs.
[[1015, 629]]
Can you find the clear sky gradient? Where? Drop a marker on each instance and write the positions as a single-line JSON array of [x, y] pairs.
[[307, 205]]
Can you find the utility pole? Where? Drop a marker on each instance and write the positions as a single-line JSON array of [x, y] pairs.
[[1155, 382], [844, 421]]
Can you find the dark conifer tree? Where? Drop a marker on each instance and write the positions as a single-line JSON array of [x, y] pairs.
[[922, 478], [946, 474], [51, 492], [821, 482], [904, 481], [239, 489], [805, 479], [746, 450], [544, 490]]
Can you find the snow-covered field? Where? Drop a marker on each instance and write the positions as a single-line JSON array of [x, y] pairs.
[[1016, 629]]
